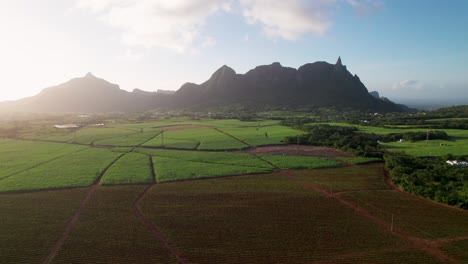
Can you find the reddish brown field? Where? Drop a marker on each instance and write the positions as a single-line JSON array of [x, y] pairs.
[[293, 150]]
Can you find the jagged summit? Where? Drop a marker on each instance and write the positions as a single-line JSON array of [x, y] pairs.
[[89, 75], [312, 85], [338, 62], [273, 86]]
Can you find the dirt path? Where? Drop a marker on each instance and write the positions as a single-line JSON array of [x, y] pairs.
[[76, 217], [155, 230], [427, 246], [442, 241], [71, 224]]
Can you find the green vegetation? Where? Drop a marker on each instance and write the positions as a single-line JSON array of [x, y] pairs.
[[262, 135], [31, 223], [358, 160], [341, 137], [430, 178], [298, 162], [129, 169], [203, 139], [77, 169], [128, 140], [170, 169], [226, 158], [90, 135], [17, 156]]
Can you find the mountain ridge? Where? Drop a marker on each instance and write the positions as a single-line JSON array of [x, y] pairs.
[[318, 84]]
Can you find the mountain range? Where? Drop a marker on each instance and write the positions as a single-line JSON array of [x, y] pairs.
[[318, 84]]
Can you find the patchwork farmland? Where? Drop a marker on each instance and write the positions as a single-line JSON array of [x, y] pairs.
[[209, 191]]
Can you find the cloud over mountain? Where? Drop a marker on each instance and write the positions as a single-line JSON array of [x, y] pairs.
[[288, 19], [171, 24], [177, 24]]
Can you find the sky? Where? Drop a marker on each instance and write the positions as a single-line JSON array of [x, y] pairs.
[[403, 49]]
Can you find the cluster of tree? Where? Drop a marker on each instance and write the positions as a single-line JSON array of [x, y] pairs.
[[416, 136], [431, 178], [345, 138]]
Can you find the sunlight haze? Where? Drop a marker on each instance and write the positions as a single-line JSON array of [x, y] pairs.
[[402, 49]]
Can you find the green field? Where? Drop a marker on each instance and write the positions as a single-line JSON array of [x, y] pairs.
[[203, 139], [17, 156], [76, 169], [456, 144], [128, 140], [261, 135], [298, 162], [211, 205], [170, 169], [130, 169]]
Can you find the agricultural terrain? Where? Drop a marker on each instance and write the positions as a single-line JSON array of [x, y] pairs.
[[208, 191]]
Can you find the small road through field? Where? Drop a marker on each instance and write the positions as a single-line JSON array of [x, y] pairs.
[[155, 230], [76, 217], [427, 246]]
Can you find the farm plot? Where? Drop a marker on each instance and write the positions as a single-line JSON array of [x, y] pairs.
[[169, 169], [131, 168], [355, 178], [268, 219], [77, 169], [89, 135], [108, 232], [31, 223], [299, 162], [260, 136], [457, 144], [359, 160], [226, 158], [458, 249], [203, 139], [411, 214], [128, 140], [17, 156]]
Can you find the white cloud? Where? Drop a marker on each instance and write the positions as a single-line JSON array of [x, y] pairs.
[[177, 24], [173, 24], [409, 85], [209, 42], [288, 19], [366, 7]]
